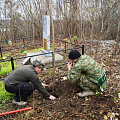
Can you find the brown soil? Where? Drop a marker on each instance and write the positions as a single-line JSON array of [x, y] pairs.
[[67, 105]]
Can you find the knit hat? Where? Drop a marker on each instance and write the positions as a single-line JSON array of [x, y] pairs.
[[74, 54], [36, 63]]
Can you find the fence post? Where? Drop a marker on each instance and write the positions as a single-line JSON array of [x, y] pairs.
[[1, 51], [82, 49], [65, 47], [23, 42], [12, 63]]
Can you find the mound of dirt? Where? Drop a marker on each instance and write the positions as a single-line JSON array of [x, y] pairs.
[[68, 106]]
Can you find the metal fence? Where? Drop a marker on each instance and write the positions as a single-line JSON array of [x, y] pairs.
[[56, 50], [18, 43]]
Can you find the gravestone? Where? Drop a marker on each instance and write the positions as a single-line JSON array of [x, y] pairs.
[[44, 58], [9, 42], [46, 35]]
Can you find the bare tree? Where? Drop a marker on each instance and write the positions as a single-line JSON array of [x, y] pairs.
[[87, 19]]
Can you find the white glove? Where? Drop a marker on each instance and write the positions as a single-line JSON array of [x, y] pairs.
[[52, 97], [44, 85]]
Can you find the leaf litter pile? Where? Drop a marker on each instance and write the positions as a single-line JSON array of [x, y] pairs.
[[68, 106]]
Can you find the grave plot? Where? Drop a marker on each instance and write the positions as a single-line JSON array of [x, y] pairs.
[[68, 106]]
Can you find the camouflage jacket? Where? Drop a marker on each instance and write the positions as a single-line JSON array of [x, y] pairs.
[[91, 69]]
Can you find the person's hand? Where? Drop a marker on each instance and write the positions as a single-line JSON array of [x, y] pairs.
[[52, 97], [64, 78], [69, 65], [44, 85]]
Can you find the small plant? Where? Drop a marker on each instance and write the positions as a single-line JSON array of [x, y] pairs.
[[116, 100], [97, 93], [67, 40], [74, 38], [71, 39], [22, 51]]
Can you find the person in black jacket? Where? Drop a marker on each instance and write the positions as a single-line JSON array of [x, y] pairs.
[[23, 80]]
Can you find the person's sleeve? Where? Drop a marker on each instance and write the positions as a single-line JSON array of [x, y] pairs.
[[74, 75], [35, 80]]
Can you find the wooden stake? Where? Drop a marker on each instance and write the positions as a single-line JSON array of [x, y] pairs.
[[53, 48]]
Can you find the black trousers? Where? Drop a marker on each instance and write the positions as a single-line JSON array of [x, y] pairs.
[[22, 90]]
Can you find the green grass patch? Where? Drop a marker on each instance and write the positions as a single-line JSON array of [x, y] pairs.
[[34, 50], [6, 68], [4, 95]]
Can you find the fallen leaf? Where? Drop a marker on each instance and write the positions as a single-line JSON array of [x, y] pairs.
[[111, 115], [28, 113], [54, 112], [49, 113], [105, 117], [101, 111]]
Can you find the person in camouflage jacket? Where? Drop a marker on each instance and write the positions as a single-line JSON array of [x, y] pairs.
[[87, 73]]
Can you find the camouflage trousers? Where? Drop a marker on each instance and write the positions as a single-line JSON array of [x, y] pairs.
[[87, 84]]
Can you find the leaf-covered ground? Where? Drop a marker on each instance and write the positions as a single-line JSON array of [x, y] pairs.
[[67, 106]]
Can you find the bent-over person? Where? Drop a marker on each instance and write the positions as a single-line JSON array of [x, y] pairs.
[[87, 73], [22, 82]]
